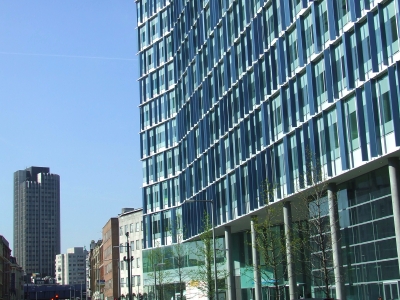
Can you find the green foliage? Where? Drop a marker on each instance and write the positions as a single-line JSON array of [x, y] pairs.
[[179, 258], [271, 244], [204, 273], [156, 265]]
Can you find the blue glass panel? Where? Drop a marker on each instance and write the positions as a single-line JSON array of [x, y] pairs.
[[228, 196], [383, 39], [332, 17], [374, 143], [394, 101], [265, 124], [316, 35], [239, 192], [355, 9], [281, 61], [348, 61], [299, 155], [252, 179], [292, 102], [300, 39], [288, 166], [372, 41], [284, 103], [310, 89]]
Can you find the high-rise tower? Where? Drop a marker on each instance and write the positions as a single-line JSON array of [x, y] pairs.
[[36, 219]]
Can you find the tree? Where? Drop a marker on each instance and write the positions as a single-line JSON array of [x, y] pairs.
[[179, 256], [156, 264], [316, 244], [204, 251], [271, 242]]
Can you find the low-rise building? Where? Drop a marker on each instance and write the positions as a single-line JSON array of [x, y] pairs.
[[96, 282], [110, 259], [71, 267], [131, 231], [5, 254], [16, 280]]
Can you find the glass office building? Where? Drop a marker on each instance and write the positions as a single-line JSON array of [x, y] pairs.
[[234, 93]]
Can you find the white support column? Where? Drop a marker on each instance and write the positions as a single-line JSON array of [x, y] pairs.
[[256, 260], [394, 188], [287, 220], [229, 264], [335, 236]]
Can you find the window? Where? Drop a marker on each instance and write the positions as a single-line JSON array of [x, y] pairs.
[[161, 51], [142, 35], [319, 71], [339, 70], [351, 124], [149, 60], [137, 226], [384, 106], [148, 199], [165, 198], [354, 57], [333, 135], [156, 197], [342, 11], [170, 75], [160, 137], [269, 24], [154, 34], [280, 169], [169, 162], [154, 82], [295, 160], [151, 146], [293, 54], [308, 35], [138, 280], [161, 79], [277, 115], [252, 90], [138, 262], [389, 17], [323, 21], [365, 50], [137, 245]]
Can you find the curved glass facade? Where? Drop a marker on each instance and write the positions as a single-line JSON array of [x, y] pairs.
[[236, 92]]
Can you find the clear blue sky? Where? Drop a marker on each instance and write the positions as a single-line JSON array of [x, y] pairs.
[[69, 101]]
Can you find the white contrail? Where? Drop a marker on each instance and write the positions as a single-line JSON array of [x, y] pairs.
[[68, 56]]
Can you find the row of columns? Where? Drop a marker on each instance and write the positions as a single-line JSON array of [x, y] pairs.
[[393, 165], [287, 219]]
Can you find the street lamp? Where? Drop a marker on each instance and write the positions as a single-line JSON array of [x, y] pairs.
[[81, 282], [128, 258], [213, 233], [70, 290]]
